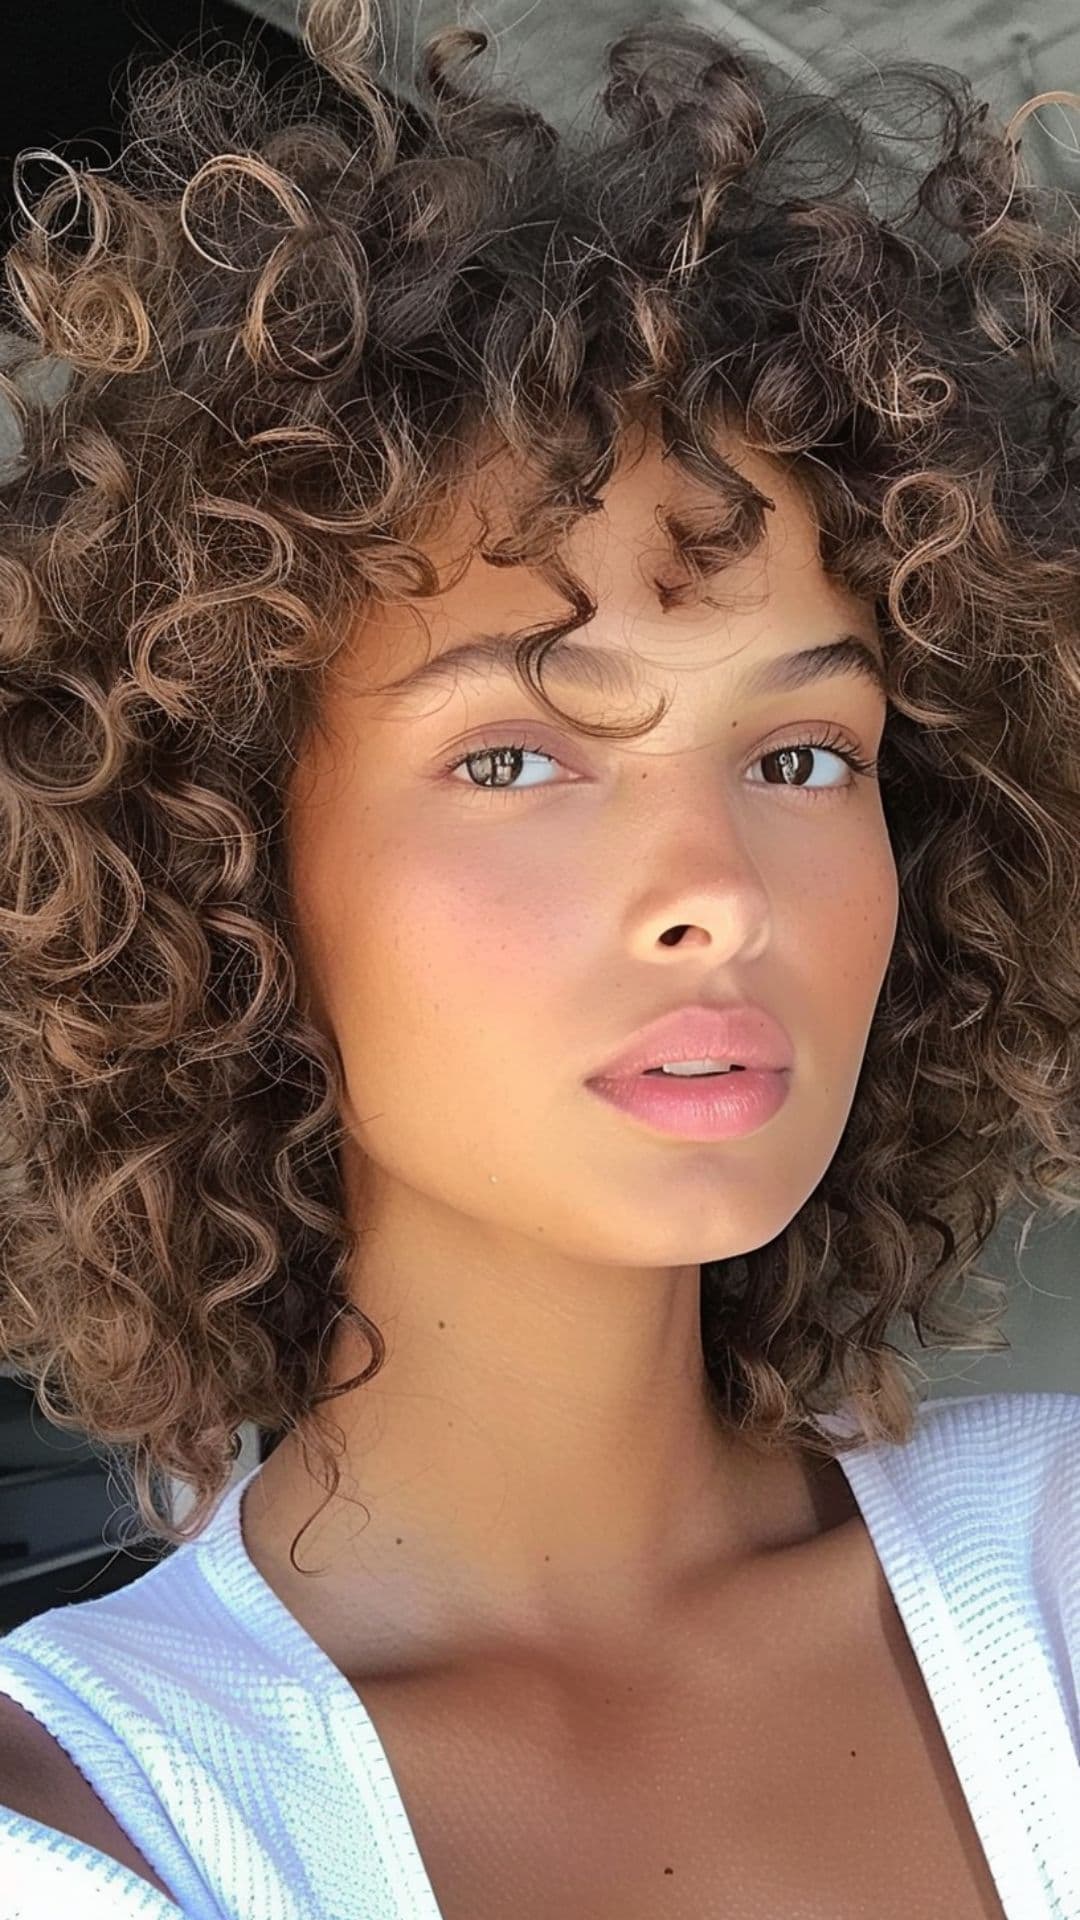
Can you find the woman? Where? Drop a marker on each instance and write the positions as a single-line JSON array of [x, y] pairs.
[[529, 1076]]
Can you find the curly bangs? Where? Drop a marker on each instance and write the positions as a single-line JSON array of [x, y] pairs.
[[287, 320]]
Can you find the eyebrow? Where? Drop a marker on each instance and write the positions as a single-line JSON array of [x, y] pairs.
[[606, 671]]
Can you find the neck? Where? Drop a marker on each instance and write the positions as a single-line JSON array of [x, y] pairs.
[[533, 1477]]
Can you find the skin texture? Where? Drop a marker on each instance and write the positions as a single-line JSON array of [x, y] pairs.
[[537, 1456]]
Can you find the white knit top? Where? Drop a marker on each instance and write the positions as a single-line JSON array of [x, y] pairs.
[[245, 1768]]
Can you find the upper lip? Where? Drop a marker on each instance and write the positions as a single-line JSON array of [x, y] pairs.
[[744, 1034]]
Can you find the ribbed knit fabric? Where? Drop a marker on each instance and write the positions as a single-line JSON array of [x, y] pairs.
[[246, 1770]]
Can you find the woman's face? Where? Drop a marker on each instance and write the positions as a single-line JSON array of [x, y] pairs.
[[478, 953]]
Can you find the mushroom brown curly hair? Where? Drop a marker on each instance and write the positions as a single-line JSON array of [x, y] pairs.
[[287, 319]]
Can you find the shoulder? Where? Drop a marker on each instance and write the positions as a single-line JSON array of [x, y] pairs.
[[38, 1779], [971, 1439], [985, 1496]]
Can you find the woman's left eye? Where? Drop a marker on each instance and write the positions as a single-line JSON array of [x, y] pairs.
[[494, 757]]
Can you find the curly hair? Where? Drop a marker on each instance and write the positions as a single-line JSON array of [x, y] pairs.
[[286, 319]]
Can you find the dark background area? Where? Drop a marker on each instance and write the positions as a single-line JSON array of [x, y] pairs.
[[64, 79]]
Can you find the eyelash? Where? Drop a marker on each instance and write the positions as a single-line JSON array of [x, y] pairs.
[[828, 744]]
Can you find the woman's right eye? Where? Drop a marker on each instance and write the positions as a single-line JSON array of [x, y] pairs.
[[497, 760]]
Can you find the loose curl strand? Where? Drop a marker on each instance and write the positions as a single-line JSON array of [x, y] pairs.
[[284, 325]]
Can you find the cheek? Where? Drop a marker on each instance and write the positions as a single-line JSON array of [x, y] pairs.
[[874, 915], [445, 950], [841, 932], [833, 899]]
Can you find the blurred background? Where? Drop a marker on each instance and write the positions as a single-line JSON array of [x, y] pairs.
[[63, 84]]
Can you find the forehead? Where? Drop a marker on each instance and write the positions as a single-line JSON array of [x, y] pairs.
[[620, 549], [769, 599]]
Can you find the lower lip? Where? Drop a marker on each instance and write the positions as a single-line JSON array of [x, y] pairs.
[[720, 1109]]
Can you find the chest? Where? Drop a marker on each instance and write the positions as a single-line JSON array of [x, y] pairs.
[[796, 1771]]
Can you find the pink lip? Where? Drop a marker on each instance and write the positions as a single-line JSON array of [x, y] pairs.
[[743, 1033], [720, 1109]]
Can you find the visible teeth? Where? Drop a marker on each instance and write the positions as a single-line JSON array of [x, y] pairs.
[[688, 1067]]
